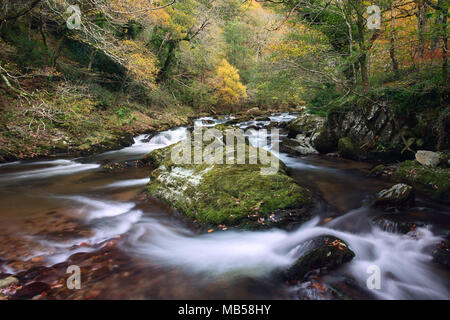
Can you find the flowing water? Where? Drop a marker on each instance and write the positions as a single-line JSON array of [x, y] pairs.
[[55, 211]]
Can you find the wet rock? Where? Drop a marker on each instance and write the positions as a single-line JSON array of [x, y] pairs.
[[323, 254], [224, 194], [254, 111], [347, 148], [306, 124], [397, 223], [377, 171], [262, 118], [325, 142], [299, 146], [397, 195], [38, 274], [8, 281], [30, 290], [428, 158], [441, 254]]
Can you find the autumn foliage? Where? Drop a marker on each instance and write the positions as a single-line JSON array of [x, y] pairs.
[[228, 87]]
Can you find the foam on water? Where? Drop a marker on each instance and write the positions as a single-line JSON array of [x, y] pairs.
[[143, 145], [58, 167], [127, 183], [95, 209], [402, 259]]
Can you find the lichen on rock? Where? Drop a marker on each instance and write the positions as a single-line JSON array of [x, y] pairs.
[[226, 194]]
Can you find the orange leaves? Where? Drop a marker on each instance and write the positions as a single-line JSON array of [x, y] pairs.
[[336, 243]]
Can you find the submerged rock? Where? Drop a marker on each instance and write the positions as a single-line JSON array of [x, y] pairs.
[[225, 194], [429, 158], [323, 254], [397, 223], [30, 290], [399, 194]]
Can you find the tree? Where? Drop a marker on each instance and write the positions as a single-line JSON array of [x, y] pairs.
[[229, 89]]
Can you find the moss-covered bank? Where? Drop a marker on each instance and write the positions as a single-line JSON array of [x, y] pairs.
[[434, 182], [76, 124]]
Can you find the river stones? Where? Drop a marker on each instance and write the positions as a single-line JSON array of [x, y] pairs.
[[398, 223], [398, 195], [441, 254], [236, 195], [428, 158], [322, 254], [30, 290], [8, 281], [254, 112]]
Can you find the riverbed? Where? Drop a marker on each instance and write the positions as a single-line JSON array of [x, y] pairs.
[[59, 212]]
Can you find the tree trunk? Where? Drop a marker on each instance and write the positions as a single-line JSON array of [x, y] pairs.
[[421, 24], [58, 50], [392, 40], [162, 75], [360, 23], [445, 45]]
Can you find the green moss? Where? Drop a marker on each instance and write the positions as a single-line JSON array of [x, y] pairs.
[[378, 170], [324, 142], [77, 124], [433, 181], [347, 149], [228, 194]]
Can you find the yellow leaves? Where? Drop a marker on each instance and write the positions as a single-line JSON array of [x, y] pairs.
[[229, 89], [141, 63]]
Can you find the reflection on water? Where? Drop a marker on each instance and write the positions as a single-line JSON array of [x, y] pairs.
[[51, 210]]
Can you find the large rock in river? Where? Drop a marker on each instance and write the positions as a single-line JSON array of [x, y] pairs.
[[323, 253], [399, 194], [237, 195]]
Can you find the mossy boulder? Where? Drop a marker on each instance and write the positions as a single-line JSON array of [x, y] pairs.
[[347, 148], [323, 254], [305, 123], [435, 182], [325, 142], [236, 195]]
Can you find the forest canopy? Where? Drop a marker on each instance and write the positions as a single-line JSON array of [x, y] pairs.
[[171, 52]]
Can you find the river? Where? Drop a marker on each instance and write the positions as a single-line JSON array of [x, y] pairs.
[[62, 211]]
